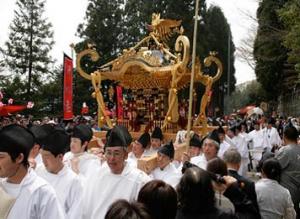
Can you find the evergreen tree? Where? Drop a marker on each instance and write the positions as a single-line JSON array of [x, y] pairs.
[[218, 41], [29, 44], [103, 27], [269, 52], [135, 21], [290, 16]]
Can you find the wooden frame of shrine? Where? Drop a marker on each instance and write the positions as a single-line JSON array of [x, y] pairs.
[[152, 66]]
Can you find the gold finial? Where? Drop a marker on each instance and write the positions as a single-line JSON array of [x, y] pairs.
[[91, 45], [213, 53]]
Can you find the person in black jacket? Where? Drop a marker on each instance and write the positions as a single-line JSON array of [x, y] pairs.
[[196, 197], [246, 206]]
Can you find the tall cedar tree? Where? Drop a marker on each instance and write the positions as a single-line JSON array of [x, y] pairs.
[[103, 27], [269, 52], [29, 44], [218, 41], [290, 16]]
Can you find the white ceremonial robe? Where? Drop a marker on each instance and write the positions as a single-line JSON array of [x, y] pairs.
[[104, 188], [257, 138], [68, 188], [224, 146], [132, 159], [230, 141], [150, 152], [271, 138], [35, 198], [200, 161], [88, 163], [169, 175], [242, 147]]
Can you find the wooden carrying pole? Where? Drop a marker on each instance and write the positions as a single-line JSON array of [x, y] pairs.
[[192, 76]]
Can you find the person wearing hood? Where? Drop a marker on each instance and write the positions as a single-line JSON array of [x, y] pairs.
[[166, 171], [138, 148], [23, 194], [116, 180]]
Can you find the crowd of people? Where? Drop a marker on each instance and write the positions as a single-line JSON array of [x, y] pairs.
[[47, 170]]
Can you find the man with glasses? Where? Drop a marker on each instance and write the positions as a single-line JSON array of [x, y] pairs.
[[116, 180]]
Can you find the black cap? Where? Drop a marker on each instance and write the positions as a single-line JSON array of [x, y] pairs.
[[83, 132], [233, 128], [126, 134], [40, 132], [157, 133], [196, 141], [221, 130], [167, 149], [144, 139], [214, 136], [119, 137], [57, 142], [15, 139], [271, 121]]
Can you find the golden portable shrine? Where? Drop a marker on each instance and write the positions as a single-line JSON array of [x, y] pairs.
[[152, 65]]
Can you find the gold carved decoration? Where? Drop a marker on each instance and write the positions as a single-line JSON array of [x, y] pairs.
[[151, 64]]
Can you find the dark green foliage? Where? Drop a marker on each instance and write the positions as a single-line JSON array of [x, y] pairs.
[[29, 44], [289, 14], [269, 52], [113, 27]]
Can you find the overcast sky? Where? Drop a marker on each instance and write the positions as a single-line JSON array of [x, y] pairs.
[[65, 15]]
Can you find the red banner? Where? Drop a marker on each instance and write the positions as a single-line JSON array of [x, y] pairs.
[[68, 88], [119, 102]]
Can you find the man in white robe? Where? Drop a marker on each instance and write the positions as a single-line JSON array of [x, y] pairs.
[[166, 171], [156, 142], [116, 180], [241, 144], [224, 145], [272, 139], [32, 196], [256, 137], [39, 132], [138, 149], [80, 161], [195, 150], [66, 183], [210, 147]]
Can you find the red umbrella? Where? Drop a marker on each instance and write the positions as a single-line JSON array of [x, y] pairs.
[[7, 110], [245, 109]]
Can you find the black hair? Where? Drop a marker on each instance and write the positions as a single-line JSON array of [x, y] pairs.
[[122, 209], [15, 140], [272, 169], [195, 192], [217, 166], [160, 199], [291, 133]]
